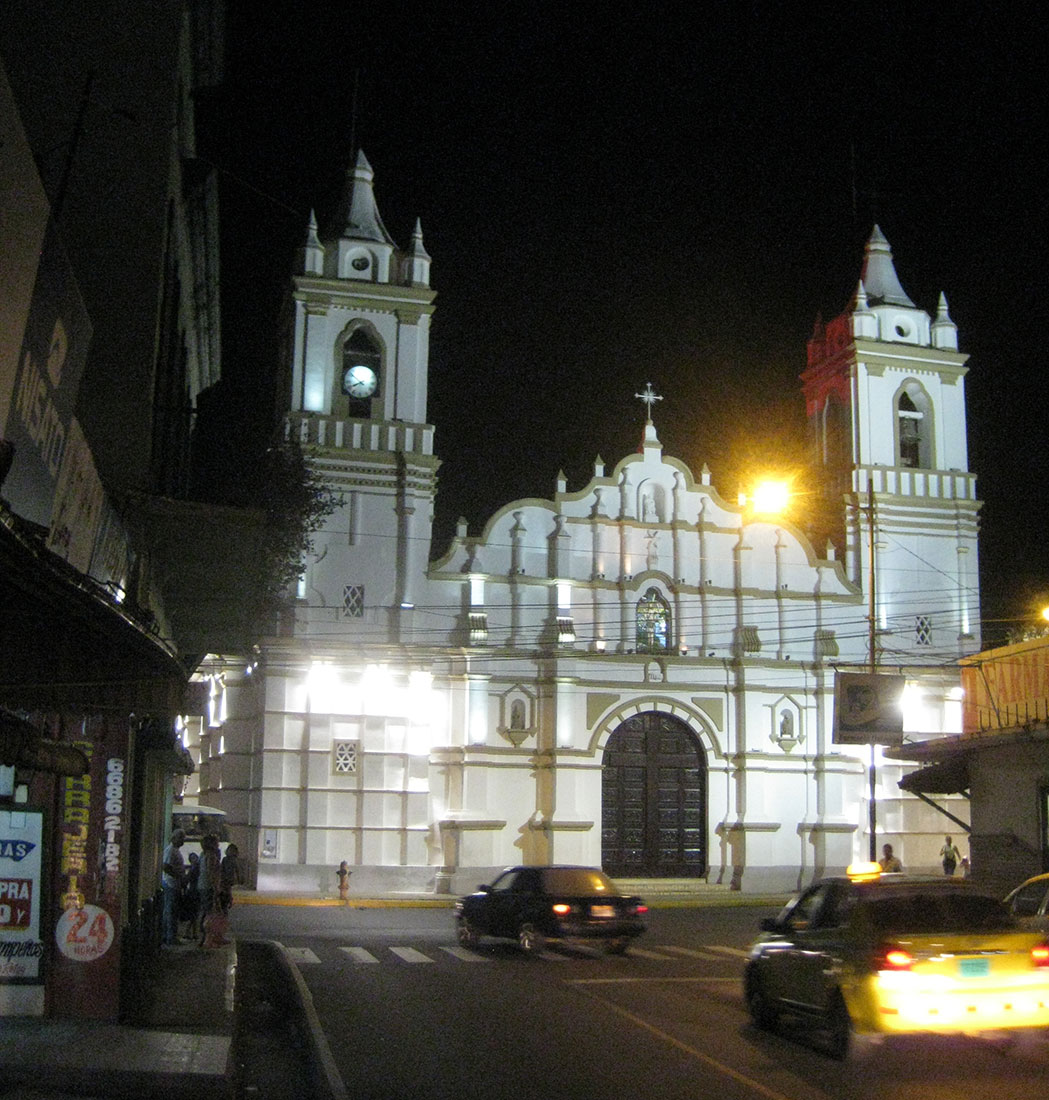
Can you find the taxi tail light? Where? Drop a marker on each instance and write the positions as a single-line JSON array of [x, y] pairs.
[[891, 957], [561, 909], [640, 908], [1040, 955]]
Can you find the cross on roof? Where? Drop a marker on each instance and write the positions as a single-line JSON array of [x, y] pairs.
[[650, 397]]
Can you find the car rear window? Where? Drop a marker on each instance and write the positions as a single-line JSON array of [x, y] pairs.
[[938, 912], [577, 881]]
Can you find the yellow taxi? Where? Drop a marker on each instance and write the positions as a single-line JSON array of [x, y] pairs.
[[873, 953], [1029, 903]]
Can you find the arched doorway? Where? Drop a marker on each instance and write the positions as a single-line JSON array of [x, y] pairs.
[[654, 800]]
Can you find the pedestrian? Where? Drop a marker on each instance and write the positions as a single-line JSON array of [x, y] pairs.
[[189, 906], [208, 882], [950, 856], [229, 876], [888, 862], [173, 871]]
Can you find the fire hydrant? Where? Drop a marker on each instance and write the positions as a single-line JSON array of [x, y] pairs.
[[344, 873]]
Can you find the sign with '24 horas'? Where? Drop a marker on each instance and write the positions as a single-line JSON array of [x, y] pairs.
[[16, 850]]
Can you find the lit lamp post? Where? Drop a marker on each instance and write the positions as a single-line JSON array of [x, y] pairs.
[[769, 497]]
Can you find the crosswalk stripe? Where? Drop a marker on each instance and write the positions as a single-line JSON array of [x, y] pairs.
[[466, 955], [301, 955], [735, 952], [692, 954], [410, 955], [359, 954], [646, 954]]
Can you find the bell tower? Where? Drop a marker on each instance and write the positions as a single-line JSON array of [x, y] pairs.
[[885, 397], [359, 357]]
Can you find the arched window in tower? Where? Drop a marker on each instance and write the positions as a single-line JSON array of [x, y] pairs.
[[914, 428], [361, 372], [653, 623]]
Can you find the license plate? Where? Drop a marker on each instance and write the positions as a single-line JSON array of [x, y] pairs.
[[602, 910], [974, 968]]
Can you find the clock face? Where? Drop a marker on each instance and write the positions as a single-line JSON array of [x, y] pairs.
[[359, 381]]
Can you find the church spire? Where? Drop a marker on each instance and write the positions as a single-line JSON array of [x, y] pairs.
[[359, 214], [879, 274], [418, 263], [311, 254], [944, 330]]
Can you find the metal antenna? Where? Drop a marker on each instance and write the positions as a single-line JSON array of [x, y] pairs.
[[353, 112]]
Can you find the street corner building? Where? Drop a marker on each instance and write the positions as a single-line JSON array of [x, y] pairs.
[[637, 673]]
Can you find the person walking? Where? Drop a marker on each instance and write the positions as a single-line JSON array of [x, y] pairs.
[[173, 871], [950, 856]]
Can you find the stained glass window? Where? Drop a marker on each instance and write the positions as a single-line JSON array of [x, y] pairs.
[[653, 623]]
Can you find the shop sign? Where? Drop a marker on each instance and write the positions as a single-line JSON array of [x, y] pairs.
[[21, 878]]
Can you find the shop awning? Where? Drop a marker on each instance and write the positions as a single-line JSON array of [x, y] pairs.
[[23, 746], [947, 777]]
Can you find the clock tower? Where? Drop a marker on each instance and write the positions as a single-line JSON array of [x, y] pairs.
[[885, 396], [358, 355]]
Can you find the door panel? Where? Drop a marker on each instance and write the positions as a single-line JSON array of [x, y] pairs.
[[654, 800]]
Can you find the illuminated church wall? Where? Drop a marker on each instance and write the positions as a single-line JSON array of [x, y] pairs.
[[428, 722]]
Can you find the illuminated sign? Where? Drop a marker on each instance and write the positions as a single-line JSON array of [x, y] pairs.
[[21, 949], [868, 709]]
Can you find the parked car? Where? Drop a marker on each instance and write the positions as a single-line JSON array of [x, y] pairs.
[[873, 953], [536, 905], [1029, 902]]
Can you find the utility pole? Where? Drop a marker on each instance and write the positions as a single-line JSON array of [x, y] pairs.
[[872, 654]]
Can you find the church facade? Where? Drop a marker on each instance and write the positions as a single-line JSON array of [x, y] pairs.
[[638, 673]]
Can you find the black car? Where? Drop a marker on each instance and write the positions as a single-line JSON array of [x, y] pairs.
[[536, 905]]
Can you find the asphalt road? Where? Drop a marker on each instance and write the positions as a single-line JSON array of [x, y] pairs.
[[409, 1014]]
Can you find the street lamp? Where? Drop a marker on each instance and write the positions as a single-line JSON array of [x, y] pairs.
[[769, 497]]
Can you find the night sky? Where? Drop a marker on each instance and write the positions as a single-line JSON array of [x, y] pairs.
[[616, 194]]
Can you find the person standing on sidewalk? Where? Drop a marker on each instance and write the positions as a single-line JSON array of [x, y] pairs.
[[173, 868], [208, 882], [950, 856]]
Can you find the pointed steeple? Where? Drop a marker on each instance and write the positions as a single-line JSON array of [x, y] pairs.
[[359, 213], [879, 274], [864, 322], [311, 255], [418, 262], [944, 330]]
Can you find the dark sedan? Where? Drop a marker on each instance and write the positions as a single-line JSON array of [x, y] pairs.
[[537, 905]]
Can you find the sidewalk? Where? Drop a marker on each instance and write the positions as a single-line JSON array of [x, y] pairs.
[[183, 1048]]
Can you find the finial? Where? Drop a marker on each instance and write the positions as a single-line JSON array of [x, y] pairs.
[[649, 397]]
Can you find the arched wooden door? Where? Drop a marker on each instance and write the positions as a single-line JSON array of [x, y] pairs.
[[654, 800]]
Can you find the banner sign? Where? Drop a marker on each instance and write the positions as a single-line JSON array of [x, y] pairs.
[[52, 359], [868, 708], [21, 883], [90, 873]]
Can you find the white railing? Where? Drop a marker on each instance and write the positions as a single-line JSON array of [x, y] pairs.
[[316, 430]]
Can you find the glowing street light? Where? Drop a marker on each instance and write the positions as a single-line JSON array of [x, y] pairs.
[[768, 498]]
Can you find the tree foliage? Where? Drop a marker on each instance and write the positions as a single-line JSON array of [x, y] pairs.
[[296, 502]]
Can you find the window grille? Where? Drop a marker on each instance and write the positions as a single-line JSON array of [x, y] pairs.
[[747, 639], [353, 601], [923, 630], [826, 644], [478, 627], [344, 757]]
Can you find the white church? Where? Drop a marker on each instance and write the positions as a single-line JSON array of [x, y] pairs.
[[637, 674]]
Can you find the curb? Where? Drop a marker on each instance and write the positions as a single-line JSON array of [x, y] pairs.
[[328, 1083], [658, 901]]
